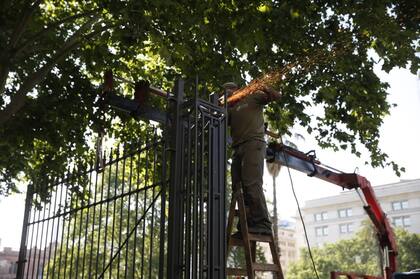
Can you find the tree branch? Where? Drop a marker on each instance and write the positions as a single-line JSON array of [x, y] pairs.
[[6, 57], [28, 42], [4, 73], [17, 101], [22, 26], [12, 53]]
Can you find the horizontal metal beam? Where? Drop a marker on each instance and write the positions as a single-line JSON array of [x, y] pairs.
[[134, 108]]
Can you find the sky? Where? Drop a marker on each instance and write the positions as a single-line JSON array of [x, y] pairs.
[[400, 139]]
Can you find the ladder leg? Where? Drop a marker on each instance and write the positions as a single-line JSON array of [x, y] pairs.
[[254, 251], [276, 258], [245, 234], [230, 222]]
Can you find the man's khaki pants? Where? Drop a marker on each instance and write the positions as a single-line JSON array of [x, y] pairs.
[[248, 170]]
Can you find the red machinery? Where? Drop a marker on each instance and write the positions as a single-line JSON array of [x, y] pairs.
[[307, 163]]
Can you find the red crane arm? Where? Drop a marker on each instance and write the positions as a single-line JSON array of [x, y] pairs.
[[307, 163]]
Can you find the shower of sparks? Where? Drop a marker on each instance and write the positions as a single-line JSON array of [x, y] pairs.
[[283, 73]]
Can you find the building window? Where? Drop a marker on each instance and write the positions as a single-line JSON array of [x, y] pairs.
[[321, 216], [399, 205], [402, 221], [346, 228], [321, 231], [345, 212]]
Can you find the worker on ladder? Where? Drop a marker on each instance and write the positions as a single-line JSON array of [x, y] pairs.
[[246, 122]]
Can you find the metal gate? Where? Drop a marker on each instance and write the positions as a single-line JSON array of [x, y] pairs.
[[197, 193], [154, 209]]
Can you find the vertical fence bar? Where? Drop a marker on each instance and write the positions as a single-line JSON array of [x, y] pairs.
[[36, 241], [79, 208], [136, 212], [98, 250], [107, 212], [74, 212], [63, 186], [129, 210], [114, 204], [92, 240], [55, 195], [209, 220], [23, 248], [31, 241], [87, 221], [182, 222], [47, 231], [165, 152], [201, 201], [195, 197], [219, 184], [146, 178], [153, 205], [189, 199], [222, 187], [73, 228], [59, 185], [174, 219], [121, 212]]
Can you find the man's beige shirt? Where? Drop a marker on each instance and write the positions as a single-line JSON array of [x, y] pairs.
[[247, 119]]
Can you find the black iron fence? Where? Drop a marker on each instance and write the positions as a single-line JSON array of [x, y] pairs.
[[155, 209], [102, 222]]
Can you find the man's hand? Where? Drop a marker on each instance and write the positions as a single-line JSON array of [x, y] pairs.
[[273, 95]]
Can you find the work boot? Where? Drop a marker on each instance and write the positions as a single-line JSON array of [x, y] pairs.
[[237, 235], [263, 229]]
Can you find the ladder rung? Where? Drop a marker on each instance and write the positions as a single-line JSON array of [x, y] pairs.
[[260, 238], [252, 237], [236, 271], [236, 242], [265, 267], [256, 266]]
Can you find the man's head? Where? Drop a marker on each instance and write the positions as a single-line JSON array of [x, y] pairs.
[[230, 87]]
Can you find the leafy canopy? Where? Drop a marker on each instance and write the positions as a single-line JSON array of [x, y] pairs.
[[53, 52]]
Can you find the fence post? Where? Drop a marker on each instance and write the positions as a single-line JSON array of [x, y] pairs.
[[175, 202], [22, 251], [218, 190]]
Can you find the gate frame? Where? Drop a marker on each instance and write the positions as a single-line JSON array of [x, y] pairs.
[[216, 226]]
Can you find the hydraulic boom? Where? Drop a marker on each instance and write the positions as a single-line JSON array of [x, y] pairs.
[[307, 163]]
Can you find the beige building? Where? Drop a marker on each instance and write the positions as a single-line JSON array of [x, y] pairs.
[[287, 242], [8, 265], [339, 217], [9, 258]]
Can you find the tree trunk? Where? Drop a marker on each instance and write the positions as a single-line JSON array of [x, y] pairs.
[[275, 217]]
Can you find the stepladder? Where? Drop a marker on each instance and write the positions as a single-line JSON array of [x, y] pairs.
[[248, 241]]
